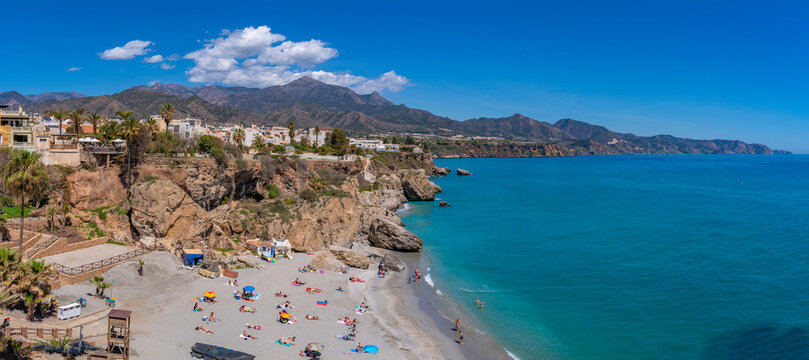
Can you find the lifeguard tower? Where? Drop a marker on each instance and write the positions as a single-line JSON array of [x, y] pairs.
[[118, 334]]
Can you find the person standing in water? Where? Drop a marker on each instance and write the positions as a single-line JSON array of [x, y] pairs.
[[458, 324]]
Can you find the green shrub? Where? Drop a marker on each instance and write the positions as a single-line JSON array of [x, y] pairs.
[[148, 179], [6, 201], [331, 177], [309, 195], [272, 191]]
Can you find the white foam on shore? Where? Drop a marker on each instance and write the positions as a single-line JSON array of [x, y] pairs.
[[511, 354], [404, 207], [429, 280], [438, 292]]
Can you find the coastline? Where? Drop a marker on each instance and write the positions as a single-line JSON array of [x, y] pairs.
[[425, 301]]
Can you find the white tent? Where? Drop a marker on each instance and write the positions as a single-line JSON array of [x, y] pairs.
[[282, 248], [119, 141], [89, 139]]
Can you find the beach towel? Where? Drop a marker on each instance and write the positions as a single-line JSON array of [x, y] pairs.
[[341, 322], [294, 284], [324, 303], [246, 337], [199, 310], [280, 343]]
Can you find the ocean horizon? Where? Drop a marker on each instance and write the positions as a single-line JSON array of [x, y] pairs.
[[626, 257]]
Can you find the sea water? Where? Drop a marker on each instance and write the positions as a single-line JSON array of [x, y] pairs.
[[627, 257]]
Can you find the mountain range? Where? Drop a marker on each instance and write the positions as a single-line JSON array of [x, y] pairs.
[[311, 103]]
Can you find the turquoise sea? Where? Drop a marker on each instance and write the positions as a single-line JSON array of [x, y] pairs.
[[627, 257]]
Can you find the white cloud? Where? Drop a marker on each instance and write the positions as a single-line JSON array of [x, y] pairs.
[[256, 57], [165, 66], [126, 52], [173, 57], [74, 69], [154, 59]]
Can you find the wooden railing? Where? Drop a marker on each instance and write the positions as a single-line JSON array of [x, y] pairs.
[[42, 246], [39, 333], [73, 271]]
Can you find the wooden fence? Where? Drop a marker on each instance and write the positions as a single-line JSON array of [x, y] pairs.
[[73, 271], [42, 246], [39, 333]]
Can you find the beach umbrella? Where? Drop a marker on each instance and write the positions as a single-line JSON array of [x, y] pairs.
[[315, 347], [210, 294], [285, 315], [371, 349], [249, 289]]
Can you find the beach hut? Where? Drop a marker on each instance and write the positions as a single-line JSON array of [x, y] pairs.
[[191, 257], [264, 248], [282, 248]]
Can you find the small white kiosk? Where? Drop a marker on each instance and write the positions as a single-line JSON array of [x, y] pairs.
[[69, 311]]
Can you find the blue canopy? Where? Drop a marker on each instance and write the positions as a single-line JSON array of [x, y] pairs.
[[191, 257], [249, 288], [371, 349]]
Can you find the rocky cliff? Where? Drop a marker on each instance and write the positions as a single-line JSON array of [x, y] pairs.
[[317, 205]]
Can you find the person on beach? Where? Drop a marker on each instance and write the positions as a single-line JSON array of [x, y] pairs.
[[212, 317], [311, 317], [196, 307], [235, 282], [460, 337], [360, 348], [202, 329], [288, 341], [248, 336], [481, 305], [458, 324]]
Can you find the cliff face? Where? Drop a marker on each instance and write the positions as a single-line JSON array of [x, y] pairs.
[[317, 205]]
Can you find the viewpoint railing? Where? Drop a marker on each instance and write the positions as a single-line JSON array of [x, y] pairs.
[[78, 270], [42, 246], [40, 333]]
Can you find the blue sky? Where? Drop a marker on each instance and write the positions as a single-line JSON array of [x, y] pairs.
[[695, 69]]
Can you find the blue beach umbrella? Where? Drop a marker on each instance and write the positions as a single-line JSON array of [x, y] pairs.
[[249, 289], [372, 349]]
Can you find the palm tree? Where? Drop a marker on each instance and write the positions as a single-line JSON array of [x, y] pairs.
[[291, 127], [24, 174], [129, 130], [259, 145], [317, 133], [151, 127], [95, 119], [125, 115], [238, 136], [97, 281], [33, 285], [167, 111], [59, 115], [78, 116]]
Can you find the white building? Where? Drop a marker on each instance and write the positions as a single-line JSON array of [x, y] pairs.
[[187, 128], [368, 144]]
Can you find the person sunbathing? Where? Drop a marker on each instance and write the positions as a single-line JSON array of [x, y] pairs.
[[340, 288], [360, 348], [281, 294], [311, 317], [248, 336], [202, 329], [253, 327], [197, 308], [297, 281], [212, 317], [288, 341]]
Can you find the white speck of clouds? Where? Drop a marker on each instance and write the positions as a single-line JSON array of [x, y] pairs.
[[154, 59], [126, 52], [256, 57], [74, 69], [165, 66]]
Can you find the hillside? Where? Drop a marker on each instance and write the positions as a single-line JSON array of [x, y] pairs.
[[311, 103]]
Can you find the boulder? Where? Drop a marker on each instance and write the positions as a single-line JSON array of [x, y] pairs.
[[162, 210], [439, 171], [392, 263], [249, 260], [462, 172], [443, 204], [325, 260], [417, 187], [88, 190], [389, 235], [352, 257]]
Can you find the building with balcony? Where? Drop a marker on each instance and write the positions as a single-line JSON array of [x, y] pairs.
[[15, 129]]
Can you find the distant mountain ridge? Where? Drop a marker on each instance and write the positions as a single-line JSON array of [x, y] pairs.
[[15, 98], [310, 103]]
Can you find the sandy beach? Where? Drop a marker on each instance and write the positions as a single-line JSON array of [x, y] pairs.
[[164, 324]]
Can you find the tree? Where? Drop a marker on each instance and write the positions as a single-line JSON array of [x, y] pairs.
[[291, 127], [125, 115], [97, 281], [34, 286], [238, 136], [317, 133], [95, 119], [24, 174], [167, 111], [59, 115], [259, 145], [130, 129], [78, 116], [339, 141], [151, 127]]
